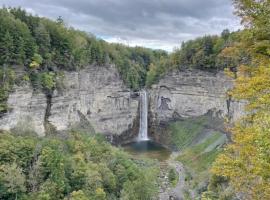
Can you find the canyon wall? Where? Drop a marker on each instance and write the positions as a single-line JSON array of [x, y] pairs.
[[95, 95], [192, 93], [98, 97], [27, 110]]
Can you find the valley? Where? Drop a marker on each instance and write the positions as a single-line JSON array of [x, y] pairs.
[[82, 118]]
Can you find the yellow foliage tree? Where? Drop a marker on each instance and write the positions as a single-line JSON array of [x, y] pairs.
[[100, 194], [36, 61], [78, 195], [246, 161]]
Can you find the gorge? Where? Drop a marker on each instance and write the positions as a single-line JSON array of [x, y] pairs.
[[98, 97], [83, 117], [96, 100]]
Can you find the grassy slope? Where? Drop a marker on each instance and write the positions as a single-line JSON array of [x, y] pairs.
[[183, 133], [199, 144], [198, 157]]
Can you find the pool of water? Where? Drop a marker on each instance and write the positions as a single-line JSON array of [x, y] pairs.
[[147, 149]]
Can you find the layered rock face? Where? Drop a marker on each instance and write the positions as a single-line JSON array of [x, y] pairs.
[[191, 93], [28, 109], [95, 95], [98, 95]]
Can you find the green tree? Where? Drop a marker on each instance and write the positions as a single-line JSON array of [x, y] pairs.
[[36, 61], [141, 188], [43, 40], [60, 20], [78, 195], [7, 78], [12, 181], [6, 48], [18, 55], [48, 81], [255, 15]]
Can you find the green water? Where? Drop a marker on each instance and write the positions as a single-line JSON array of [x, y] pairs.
[[147, 149]]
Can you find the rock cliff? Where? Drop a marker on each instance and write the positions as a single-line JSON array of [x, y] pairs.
[[28, 109], [98, 95], [191, 93], [95, 94]]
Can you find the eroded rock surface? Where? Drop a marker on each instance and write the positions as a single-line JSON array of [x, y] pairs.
[[98, 95], [27, 110], [95, 94], [192, 93]]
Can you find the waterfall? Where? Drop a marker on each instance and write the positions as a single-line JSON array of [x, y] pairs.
[[143, 135]]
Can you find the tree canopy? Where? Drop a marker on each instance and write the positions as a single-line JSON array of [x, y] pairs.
[[245, 165], [77, 167]]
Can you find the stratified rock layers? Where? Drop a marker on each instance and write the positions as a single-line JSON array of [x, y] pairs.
[[191, 93], [28, 109], [95, 94], [98, 96]]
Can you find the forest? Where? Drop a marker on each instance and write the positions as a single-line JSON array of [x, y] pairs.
[[43, 48], [79, 166]]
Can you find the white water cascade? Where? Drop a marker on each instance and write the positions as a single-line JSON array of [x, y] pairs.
[[143, 135]]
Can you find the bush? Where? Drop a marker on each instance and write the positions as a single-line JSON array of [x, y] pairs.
[[173, 176]]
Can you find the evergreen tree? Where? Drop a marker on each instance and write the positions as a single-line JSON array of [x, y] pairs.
[[43, 39], [60, 20], [18, 56], [6, 48]]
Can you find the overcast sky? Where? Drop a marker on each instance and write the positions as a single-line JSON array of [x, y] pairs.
[[160, 24]]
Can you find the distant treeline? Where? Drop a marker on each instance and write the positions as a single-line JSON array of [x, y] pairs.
[[211, 52]]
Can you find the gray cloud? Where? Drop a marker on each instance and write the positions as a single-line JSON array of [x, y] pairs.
[[152, 23]]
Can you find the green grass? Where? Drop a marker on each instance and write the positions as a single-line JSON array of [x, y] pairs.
[[182, 133], [196, 158], [197, 161], [199, 145], [173, 177]]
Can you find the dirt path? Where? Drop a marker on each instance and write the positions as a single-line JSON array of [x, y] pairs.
[[177, 192]]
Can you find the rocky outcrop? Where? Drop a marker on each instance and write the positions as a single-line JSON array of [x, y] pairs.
[[27, 110], [95, 95], [191, 93]]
